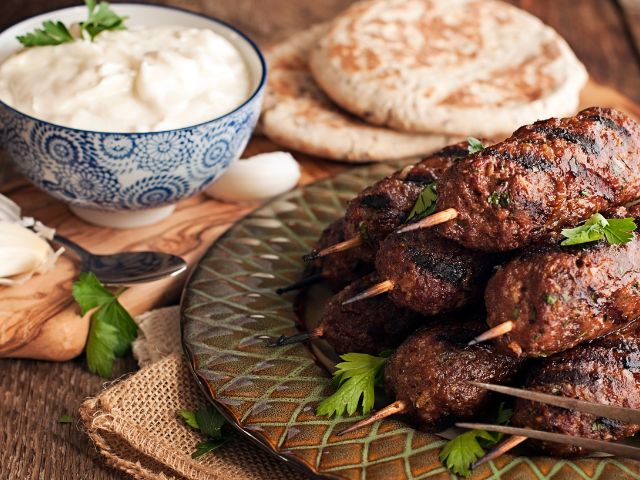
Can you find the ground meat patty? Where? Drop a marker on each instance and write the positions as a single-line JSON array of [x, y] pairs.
[[431, 370], [558, 297], [431, 274], [340, 269], [381, 208], [604, 371], [370, 326], [548, 175]]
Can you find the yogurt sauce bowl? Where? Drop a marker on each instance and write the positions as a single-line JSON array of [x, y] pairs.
[[129, 175]]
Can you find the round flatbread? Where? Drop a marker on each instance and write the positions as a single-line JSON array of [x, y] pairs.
[[471, 67], [298, 115]]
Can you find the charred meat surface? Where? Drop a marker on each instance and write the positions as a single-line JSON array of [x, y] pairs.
[[431, 370], [548, 175], [558, 297], [604, 371], [340, 269], [381, 208], [431, 274], [370, 326]]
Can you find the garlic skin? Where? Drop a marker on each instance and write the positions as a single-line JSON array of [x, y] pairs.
[[257, 178]]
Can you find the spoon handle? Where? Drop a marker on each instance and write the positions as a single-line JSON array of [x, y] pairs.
[[82, 254]]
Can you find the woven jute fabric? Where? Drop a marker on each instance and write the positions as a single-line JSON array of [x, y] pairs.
[[135, 425]]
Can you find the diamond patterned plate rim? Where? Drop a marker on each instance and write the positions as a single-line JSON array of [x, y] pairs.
[[270, 394]]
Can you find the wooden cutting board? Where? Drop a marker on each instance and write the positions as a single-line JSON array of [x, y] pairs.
[[40, 319]]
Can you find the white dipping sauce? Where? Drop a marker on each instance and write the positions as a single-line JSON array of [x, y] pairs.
[[141, 79]]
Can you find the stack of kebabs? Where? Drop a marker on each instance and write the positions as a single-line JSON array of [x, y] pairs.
[[412, 271]]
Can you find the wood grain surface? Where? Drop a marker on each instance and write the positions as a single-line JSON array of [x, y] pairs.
[[33, 394]]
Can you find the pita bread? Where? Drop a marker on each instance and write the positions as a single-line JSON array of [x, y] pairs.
[[298, 115], [471, 67]]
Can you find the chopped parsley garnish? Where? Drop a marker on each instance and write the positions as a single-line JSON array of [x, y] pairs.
[[425, 204], [356, 379], [475, 145], [615, 230], [112, 329], [460, 453], [501, 199], [364, 233], [209, 422], [100, 18], [550, 299]]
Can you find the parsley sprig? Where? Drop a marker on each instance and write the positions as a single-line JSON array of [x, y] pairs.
[[460, 453], [209, 422], [475, 145], [425, 204], [51, 33], [356, 379], [100, 18], [615, 230], [112, 329]]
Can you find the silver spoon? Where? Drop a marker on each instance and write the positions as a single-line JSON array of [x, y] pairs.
[[127, 267]]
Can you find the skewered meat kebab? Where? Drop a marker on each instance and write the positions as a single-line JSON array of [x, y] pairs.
[[605, 371], [382, 207], [429, 376], [548, 175], [338, 270], [429, 274], [371, 326], [552, 298]]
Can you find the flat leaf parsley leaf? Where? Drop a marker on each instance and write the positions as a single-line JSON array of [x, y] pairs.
[[425, 204], [209, 421], [51, 33], [356, 379], [99, 18], [615, 230], [460, 453], [112, 329], [475, 145]]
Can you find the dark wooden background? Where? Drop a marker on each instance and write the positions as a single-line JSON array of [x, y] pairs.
[[605, 34]]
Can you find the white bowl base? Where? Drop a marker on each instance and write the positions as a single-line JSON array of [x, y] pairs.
[[122, 219]]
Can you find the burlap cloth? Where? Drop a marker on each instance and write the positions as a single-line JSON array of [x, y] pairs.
[[134, 422]]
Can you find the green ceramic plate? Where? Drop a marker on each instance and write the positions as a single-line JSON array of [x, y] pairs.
[[270, 394]]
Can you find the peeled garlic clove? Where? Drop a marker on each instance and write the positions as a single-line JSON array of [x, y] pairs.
[[22, 253], [257, 178]]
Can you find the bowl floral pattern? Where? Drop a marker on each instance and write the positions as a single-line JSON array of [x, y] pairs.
[[126, 171]]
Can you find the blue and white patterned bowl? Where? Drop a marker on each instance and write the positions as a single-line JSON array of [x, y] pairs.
[[130, 179]]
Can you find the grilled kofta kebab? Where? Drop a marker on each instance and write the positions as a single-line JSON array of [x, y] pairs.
[[384, 206], [371, 326], [546, 176], [605, 371], [337, 270], [429, 375], [552, 298], [429, 274]]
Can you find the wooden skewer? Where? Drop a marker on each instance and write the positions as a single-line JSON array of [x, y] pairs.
[[617, 449], [501, 329], [300, 284], [502, 448], [396, 407], [338, 247], [375, 290], [431, 220], [283, 340]]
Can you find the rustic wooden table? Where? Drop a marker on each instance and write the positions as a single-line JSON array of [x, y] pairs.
[[605, 34]]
